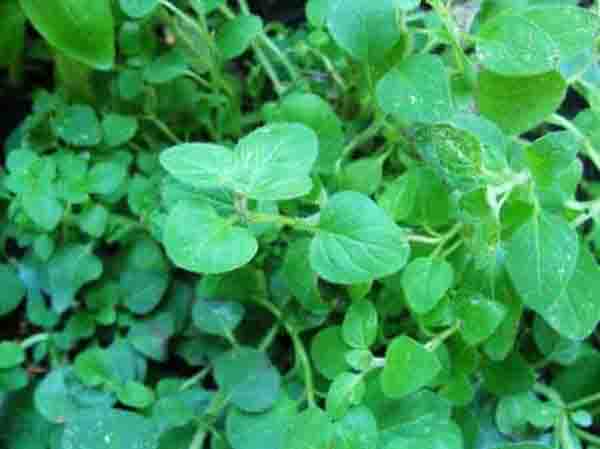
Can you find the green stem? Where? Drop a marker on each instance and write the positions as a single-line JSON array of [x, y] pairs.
[[268, 42], [306, 368], [584, 401], [269, 337], [435, 343], [330, 68], [163, 128], [590, 438], [195, 379], [423, 239], [590, 151], [296, 223], [549, 393], [364, 136], [34, 339], [199, 437]]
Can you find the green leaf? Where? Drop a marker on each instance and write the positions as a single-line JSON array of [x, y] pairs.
[[356, 430], [166, 67], [409, 366], [316, 12], [93, 221], [551, 248], [271, 163], [11, 355], [455, 154], [363, 175], [198, 239], [365, 29], [261, 431], [105, 178], [521, 379], [360, 325], [356, 241], [135, 394], [317, 114], [12, 288], [138, 8], [425, 281], [118, 129], [78, 125], [236, 36], [217, 317], [61, 397], [109, 429], [300, 279], [346, 390], [444, 435], [416, 90], [247, 377], [69, 269], [13, 379], [12, 35], [93, 367], [535, 40], [575, 312], [480, 317], [518, 104], [83, 31], [151, 336], [328, 352], [310, 429]]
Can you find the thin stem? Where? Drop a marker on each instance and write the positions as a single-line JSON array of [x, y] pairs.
[[34, 339], [587, 436], [584, 401], [443, 336], [268, 42], [590, 151], [452, 248], [195, 379], [199, 437], [269, 337], [423, 239], [549, 393], [296, 223], [164, 129], [307, 370], [193, 75], [330, 68], [364, 136]]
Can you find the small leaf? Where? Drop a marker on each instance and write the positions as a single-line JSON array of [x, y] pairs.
[[346, 390], [78, 125], [135, 394], [425, 281], [92, 367], [138, 8], [82, 30], [357, 430], [519, 104], [416, 90], [248, 378], [480, 317], [360, 325], [234, 38], [70, 268], [217, 317], [409, 366], [328, 352], [118, 129], [13, 290], [198, 239], [356, 241], [11, 355]]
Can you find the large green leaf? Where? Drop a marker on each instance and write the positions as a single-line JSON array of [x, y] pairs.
[[263, 430], [550, 247], [217, 317], [271, 163], [328, 352], [357, 430], [248, 379], [198, 239], [535, 40], [13, 290], [138, 8], [82, 30], [109, 429], [356, 241], [236, 35], [517, 104], [364, 28], [310, 429], [416, 90]]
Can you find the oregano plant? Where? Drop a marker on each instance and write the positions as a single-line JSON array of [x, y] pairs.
[[347, 224]]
